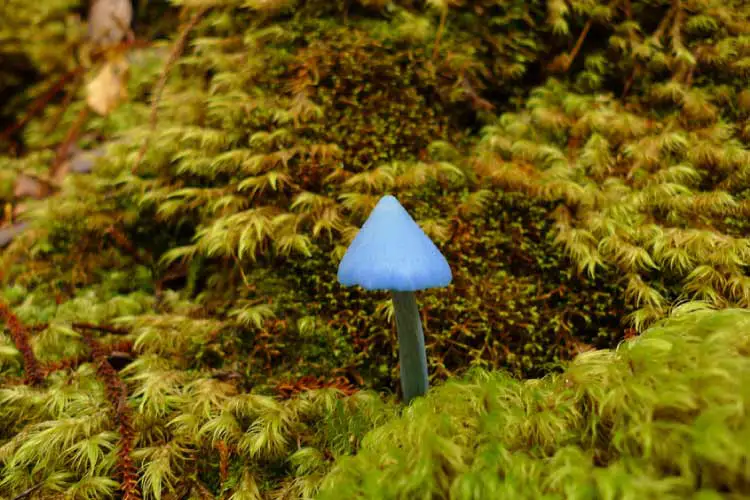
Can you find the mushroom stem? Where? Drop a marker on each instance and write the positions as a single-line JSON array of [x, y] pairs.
[[411, 350]]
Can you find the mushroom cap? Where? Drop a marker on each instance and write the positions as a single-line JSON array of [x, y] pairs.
[[391, 252]]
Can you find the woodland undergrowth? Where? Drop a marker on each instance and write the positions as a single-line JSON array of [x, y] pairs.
[[173, 327]]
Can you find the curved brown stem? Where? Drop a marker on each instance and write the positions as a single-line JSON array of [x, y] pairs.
[[40, 102], [439, 35], [117, 394], [579, 44], [20, 336], [177, 49]]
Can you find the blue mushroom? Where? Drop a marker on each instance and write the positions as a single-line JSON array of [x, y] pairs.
[[391, 252]]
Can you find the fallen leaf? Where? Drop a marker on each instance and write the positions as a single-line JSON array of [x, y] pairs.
[[108, 89]]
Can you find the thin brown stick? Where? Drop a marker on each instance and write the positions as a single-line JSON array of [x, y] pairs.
[[71, 363], [62, 150], [629, 83], [118, 395], [439, 34], [177, 49], [102, 328], [123, 243], [52, 125], [557, 291], [627, 8], [661, 28], [40, 102], [579, 44], [26, 493]]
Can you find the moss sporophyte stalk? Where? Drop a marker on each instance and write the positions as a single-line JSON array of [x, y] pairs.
[[391, 252]]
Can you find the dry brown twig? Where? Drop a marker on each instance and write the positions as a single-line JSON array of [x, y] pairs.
[[177, 49], [40, 102]]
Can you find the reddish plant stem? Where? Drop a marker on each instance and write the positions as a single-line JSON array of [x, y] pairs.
[[20, 336], [224, 453], [40, 103], [102, 328], [439, 35], [286, 390], [38, 327], [52, 125], [124, 244], [177, 49], [62, 151], [578, 45], [117, 394], [28, 492], [628, 83]]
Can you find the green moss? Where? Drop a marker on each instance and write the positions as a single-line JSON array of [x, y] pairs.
[[514, 302], [570, 209], [646, 419], [380, 102]]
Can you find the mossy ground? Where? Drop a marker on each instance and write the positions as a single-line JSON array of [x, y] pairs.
[[583, 166]]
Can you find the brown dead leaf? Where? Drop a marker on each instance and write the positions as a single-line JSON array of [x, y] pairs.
[[105, 92]]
